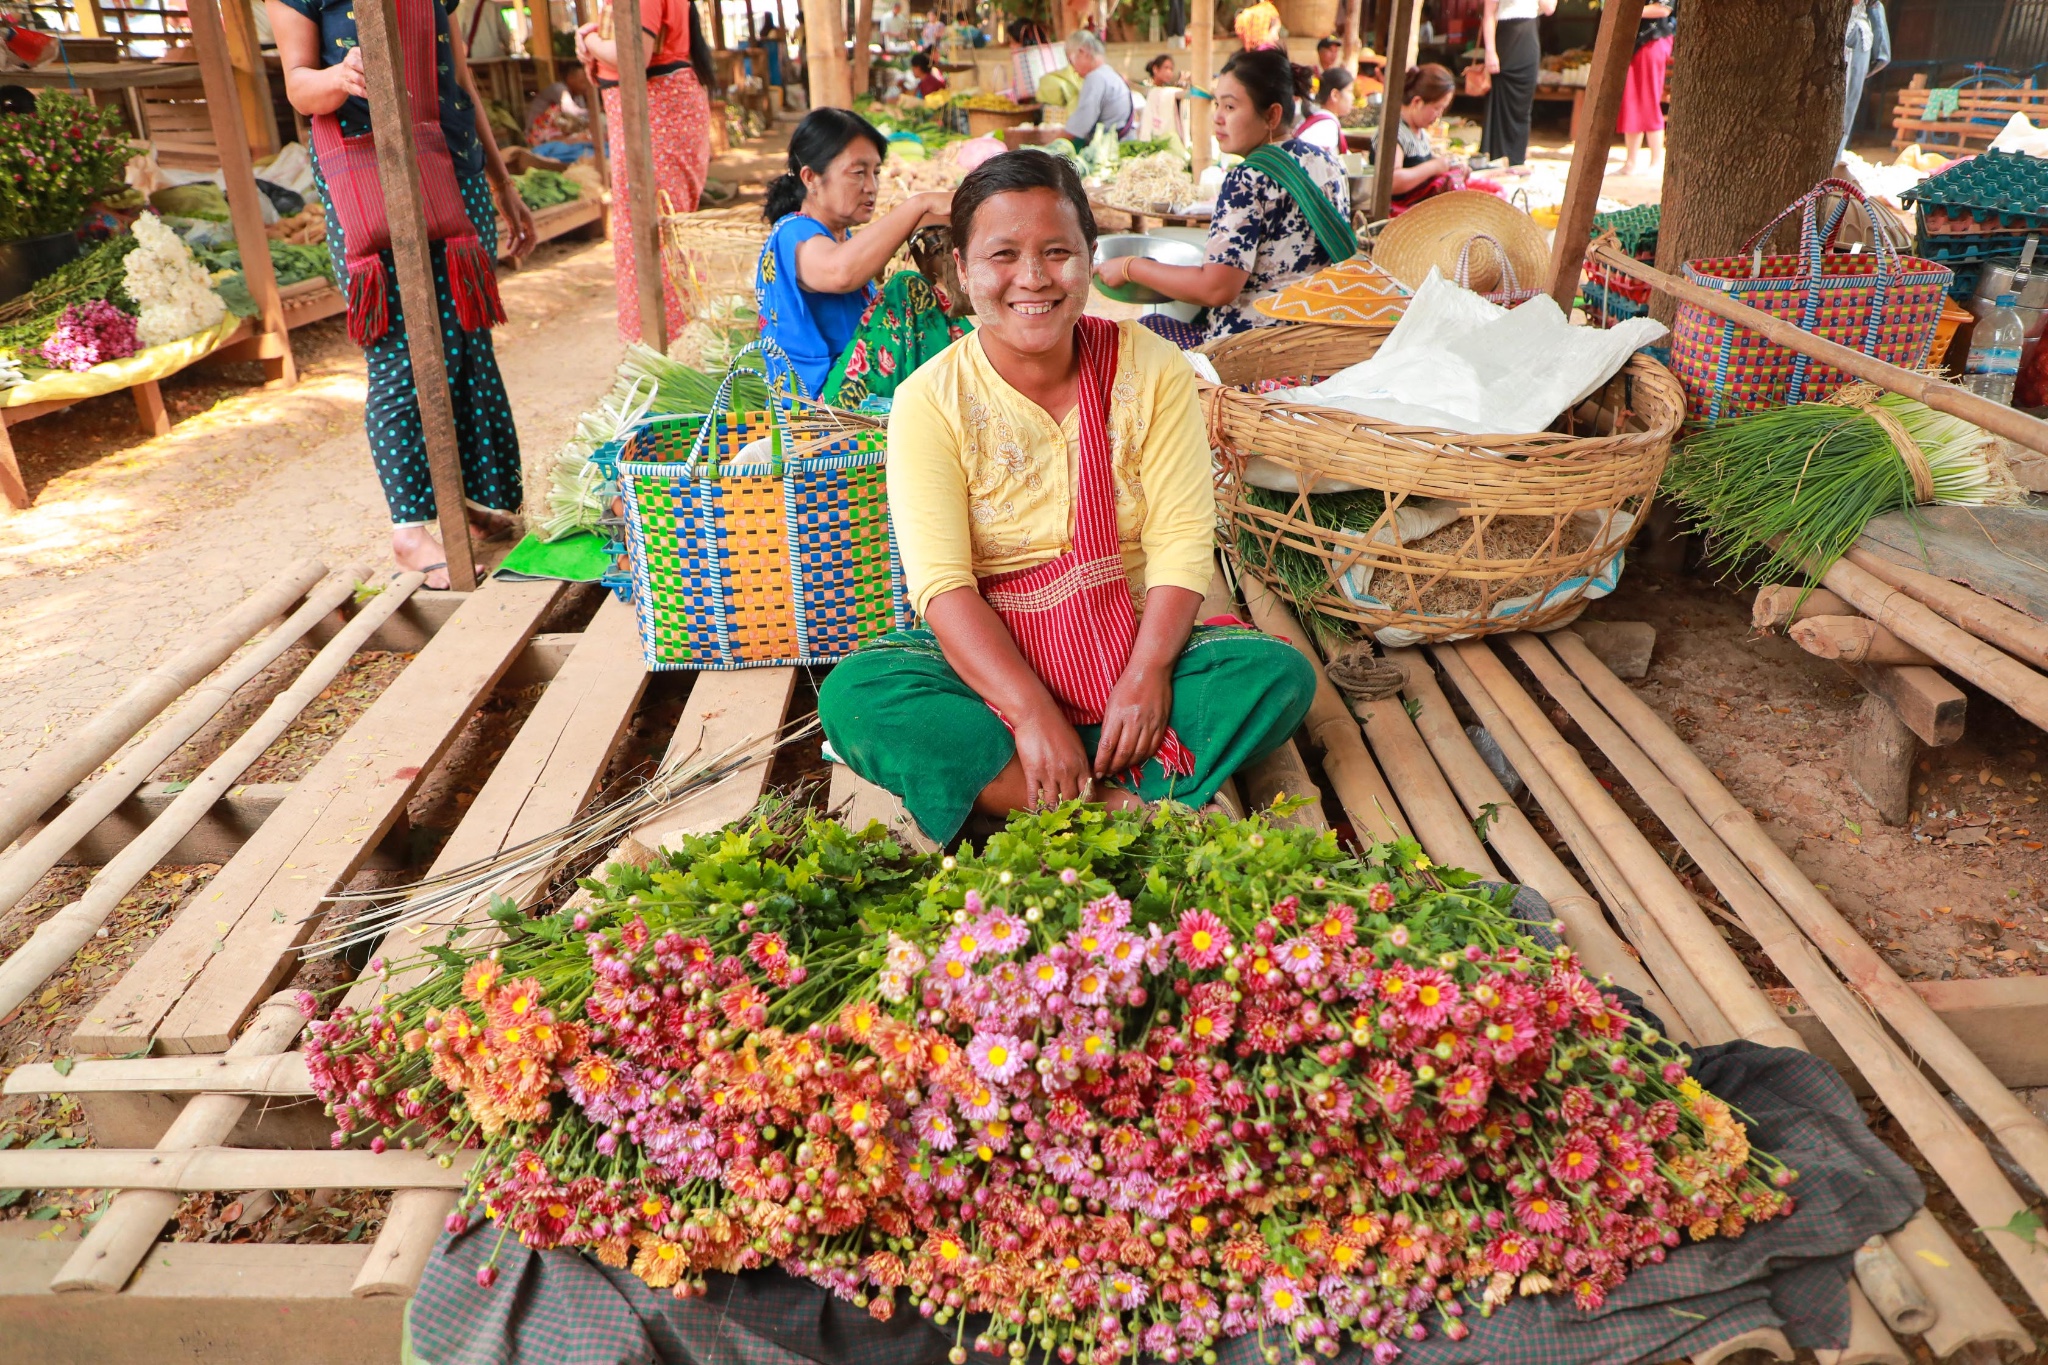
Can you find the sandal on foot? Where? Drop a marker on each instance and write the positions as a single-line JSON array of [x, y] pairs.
[[425, 573]]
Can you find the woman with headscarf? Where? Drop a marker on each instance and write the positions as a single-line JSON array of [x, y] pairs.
[[679, 121], [1050, 486], [460, 167]]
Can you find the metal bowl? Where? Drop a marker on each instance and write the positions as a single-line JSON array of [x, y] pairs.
[[1152, 249]]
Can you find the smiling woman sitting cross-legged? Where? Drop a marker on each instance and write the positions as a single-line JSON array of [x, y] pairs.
[[1051, 492]]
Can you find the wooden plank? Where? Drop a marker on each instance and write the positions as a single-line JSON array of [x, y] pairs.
[[1931, 706], [1591, 137], [198, 1169], [2001, 552], [725, 711], [217, 958], [860, 802], [233, 821], [2000, 1018], [398, 174], [196, 1303]]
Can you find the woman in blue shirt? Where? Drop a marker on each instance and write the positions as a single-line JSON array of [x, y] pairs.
[[814, 284]]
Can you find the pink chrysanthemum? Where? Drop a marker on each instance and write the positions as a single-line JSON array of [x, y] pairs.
[[1464, 1091], [1001, 932], [931, 1125], [1090, 984], [1391, 1086], [1122, 1291], [1396, 985], [1512, 1252], [1300, 956], [980, 1102], [966, 943], [1576, 1160], [1428, 1000], [1282, 1297], [1201, 939], [1380, 898], [1542, 1213], [1124, 952], [1338, 924], [996, 1057], [1044, 975], [1210, 1014], [1111, 912], [1064, 1164]]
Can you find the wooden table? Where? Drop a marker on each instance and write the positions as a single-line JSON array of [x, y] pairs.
[[102, 76]]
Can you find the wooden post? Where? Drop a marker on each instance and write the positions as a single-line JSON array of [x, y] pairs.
[[91, 23], [1353, 16], [223, 103], [252, 79], [540, 40], [398, 172], [825, 54], [1612, 52], [1201, 60], [646, 208], [717, 29], [863, 32], [1386, 156]]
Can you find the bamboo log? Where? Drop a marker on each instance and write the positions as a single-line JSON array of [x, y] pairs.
[[1778, 605], [2023, 1134], [1528, 857], [122, 1237], [62, 766], [1891, 1289], [1935, 1128], [2004, 677], [1433, 810], [399, 1255], [1854, 640], [59, 937], [1870, 1341], [26, 865], [1990, 620], [1361, 790], [220, 1073], [1970, 1313], [1706, 955], [2031, 432], [202, 1169], [1695, 1007], [643, 205]]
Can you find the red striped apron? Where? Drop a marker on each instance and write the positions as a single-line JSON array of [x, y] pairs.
[[1072, 617], [348, 165]]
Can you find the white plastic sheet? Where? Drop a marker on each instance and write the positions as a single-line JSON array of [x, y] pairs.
[[1458, 363]]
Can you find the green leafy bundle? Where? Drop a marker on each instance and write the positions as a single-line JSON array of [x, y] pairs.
[[1303, 576], [54, 161], [27, 322], [1801, 482], [542, 188]]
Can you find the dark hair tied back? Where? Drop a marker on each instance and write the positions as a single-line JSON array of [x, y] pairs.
[[1270, 79], [1027, 168], [815, 145]]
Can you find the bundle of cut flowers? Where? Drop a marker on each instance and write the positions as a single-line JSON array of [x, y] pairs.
[[1114, 1085], [89, 334]]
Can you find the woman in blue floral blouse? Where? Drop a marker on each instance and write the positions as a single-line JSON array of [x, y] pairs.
[[1283, 212]]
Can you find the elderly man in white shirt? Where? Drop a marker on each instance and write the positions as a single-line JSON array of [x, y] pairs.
[[1105, 102]]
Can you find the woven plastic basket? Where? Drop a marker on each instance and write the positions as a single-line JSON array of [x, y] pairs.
[[758, 539], [1541, 519]]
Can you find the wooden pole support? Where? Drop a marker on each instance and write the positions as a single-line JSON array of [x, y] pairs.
[[863, 34], [1990, 620], [59, 937], [127, 1230], [1693, 1004], [1854, 640], [62, 766], [1776, 902], [1361, 790], [1202, 56], [638, 172], [398, 174], [1882, 751], [23, 868], [1612, 50], [1387, 154], [1778, 605], [2010, 423], [1892, 1291], [2004, 677], [1521, 847], [1926, 703]]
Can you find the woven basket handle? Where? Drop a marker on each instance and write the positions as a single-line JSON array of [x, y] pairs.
[[1815, 240], [1509, 284], [765, 348]]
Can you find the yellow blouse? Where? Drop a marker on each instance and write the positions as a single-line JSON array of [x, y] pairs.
[[981, 480]]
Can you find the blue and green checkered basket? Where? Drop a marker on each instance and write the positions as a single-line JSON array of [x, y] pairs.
[[758, 539]]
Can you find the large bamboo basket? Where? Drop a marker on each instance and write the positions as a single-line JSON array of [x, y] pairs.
[[1585, 487], [711, 254]]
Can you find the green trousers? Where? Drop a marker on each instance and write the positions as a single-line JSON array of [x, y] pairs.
[[897, 714]]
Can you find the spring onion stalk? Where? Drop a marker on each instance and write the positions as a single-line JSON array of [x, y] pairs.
[[1303, 577], [1801, 482]]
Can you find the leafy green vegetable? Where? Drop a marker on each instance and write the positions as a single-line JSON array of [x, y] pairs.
[[542, 188]]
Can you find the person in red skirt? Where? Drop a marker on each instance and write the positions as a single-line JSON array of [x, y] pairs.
[[679, 114], [1642, 98]]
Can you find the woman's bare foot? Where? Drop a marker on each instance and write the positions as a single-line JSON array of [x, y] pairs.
[[416, 550]]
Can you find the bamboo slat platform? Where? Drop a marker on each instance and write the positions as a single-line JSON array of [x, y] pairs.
[[205, 1090]]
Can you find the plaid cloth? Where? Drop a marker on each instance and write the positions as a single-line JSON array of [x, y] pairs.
[[563, 1308]]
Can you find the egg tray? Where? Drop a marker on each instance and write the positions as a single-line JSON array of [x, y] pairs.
[[1989, 180]]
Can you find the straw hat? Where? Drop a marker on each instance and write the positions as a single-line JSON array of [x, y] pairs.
[[1353, 293], [1433, 232]]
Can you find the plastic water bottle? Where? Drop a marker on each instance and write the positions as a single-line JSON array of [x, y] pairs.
[[1994, 363]]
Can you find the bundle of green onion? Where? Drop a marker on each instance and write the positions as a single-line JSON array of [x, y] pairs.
[[1802, 481], [680, 388], [1301, 576]]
